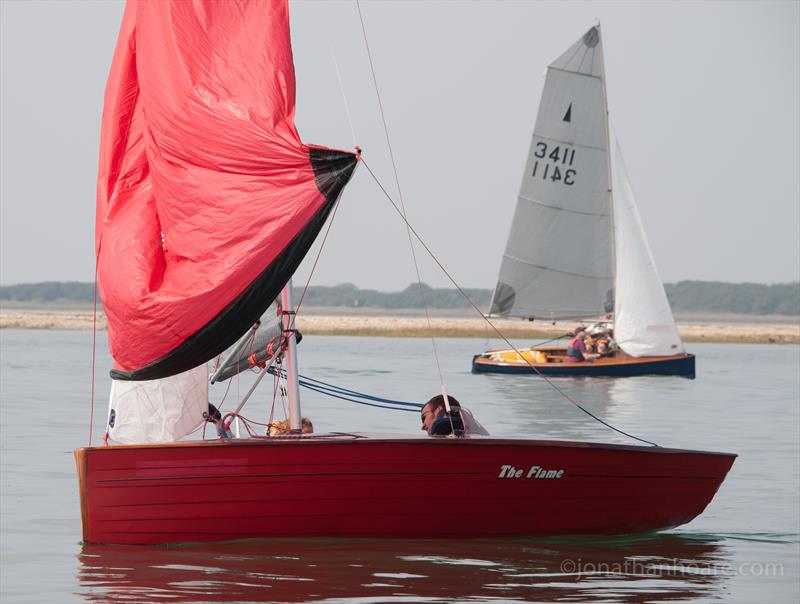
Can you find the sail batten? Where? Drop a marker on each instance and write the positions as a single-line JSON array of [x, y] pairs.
[[560, 208], [554, 269], [587, 75]]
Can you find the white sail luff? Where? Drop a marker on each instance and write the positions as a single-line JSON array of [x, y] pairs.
[[643, 321], [612, 247]]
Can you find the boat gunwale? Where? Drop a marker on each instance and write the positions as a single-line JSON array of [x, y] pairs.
[[361, 439]]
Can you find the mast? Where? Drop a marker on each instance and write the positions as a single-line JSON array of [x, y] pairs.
[[612, 225], [292, 386]]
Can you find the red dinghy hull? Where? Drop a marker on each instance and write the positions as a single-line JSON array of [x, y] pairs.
[[352, 485]]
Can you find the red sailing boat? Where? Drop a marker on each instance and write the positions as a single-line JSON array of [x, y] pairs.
[[207, 202]]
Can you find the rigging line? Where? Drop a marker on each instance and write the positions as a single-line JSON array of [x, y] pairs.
[[542, 343], [370, 401], [94, 345], [400, 193], [230, 379], [316, 260], [369, 397], [227, 390], [340, 390], [352, 400], [496, 330], [275, 386], [344, 97]]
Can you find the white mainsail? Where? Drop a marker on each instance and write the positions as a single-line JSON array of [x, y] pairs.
[[558, 261], [576, 247], [643, 321]]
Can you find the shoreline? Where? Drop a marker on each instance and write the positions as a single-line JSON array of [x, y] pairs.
[[387, 325]]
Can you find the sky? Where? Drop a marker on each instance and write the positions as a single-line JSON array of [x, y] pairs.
[[704, 99]]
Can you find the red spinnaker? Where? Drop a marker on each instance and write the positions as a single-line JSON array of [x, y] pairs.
[[207, 200]]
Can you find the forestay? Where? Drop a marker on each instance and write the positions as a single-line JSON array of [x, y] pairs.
[[558, 261]]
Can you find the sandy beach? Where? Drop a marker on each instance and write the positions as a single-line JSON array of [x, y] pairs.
[[382, 324]]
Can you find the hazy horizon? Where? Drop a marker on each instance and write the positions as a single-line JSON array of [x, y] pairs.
[[704, 100], [414, 284]]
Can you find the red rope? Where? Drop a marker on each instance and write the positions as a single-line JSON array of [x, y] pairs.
[[94, 348], [253, 361]]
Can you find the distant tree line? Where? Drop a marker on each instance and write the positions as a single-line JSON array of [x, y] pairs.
[[49, 291], [412, 296], [687, 296], [744, 298]]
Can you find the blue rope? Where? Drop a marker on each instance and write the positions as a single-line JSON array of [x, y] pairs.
[[361, 394], [346, 394], [352, 400]]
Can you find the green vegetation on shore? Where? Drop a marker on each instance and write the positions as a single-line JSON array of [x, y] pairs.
[[49, 291], [684, 296], [743, 298]]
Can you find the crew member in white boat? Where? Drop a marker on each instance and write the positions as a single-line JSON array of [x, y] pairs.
[[605, 342], [434, 410], [577, 350]]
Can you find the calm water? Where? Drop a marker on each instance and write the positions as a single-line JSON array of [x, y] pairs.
[[744, 548]]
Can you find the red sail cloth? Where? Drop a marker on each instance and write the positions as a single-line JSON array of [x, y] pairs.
[[203, 179]]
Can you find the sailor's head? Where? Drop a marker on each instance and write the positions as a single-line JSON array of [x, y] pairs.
[[434, 408]]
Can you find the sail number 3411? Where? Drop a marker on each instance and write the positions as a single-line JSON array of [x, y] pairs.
[[555, 164]]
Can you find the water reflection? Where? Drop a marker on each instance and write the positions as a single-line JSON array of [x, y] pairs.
[[535, 407], [653, 568]]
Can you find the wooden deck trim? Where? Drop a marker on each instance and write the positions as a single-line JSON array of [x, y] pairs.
[[81, 462]]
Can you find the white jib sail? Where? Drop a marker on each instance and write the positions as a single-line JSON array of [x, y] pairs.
[[643, 321], [157, 411]]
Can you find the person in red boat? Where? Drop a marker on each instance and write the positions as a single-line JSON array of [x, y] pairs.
[[281, 427], [213, 416], [436, 422]]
